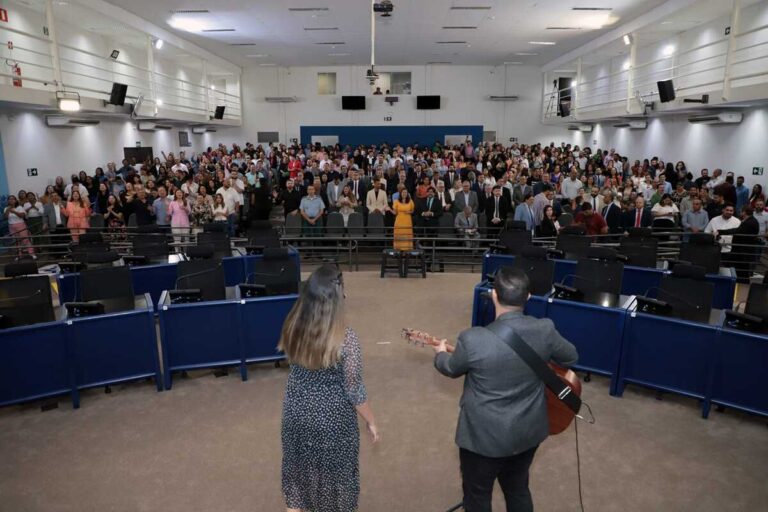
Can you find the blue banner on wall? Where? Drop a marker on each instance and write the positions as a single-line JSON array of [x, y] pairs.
[[404, 135]]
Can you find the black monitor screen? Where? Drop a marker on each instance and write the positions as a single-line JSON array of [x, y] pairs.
[[26, 300], [353, 102], [427, 102]]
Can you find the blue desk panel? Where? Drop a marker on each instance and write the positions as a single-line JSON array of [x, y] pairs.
[[596, 331], [667, 354], [34, 363], [153, 279], [198, 335], [740, 367], [635, 280], [484, 312], [116, 347], [261, 321]]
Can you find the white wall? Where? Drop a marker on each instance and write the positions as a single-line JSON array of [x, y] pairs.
[[735, 148], [463, 89], [28, 143]]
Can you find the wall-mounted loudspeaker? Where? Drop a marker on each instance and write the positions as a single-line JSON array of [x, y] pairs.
[[118, 94], [666, 91], [219, 112]]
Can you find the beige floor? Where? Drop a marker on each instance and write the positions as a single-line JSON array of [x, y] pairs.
[[213, 444]]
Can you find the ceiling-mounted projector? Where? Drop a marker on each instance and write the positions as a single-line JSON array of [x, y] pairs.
[[384, 7]]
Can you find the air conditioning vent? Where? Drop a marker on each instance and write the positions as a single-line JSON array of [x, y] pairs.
[[632, 125], [580, 127], [149, 126], [503, 98], [281, 99], [718, 118], [69, 122]]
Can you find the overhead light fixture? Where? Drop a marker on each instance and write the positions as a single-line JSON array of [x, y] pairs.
[[470, 8], [257, 55], [543, 43], [218, 30], [460, 27], [267, 64], [563, 28], [320, 28], [158, 44], [114, 54], [627, 39], [512, 63], [307, 9], [339, 54], [68, 101], [574, 83], [668, 50], [213, 87], [526, 54], [666, 22], [592, 8], [186, 24], [625, 66], [159, 102]]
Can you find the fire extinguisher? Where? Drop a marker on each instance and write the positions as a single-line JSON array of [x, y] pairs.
[[17, 71]]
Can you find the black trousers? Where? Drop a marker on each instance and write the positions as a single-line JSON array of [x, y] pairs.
[[478, 474]]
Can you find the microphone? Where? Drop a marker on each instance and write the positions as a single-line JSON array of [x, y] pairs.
[[263, 274], [195, 274], [23, 297]]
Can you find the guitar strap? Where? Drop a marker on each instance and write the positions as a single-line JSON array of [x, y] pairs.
[[529, 356]]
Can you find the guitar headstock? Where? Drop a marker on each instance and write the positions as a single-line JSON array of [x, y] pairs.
[[419, 338]]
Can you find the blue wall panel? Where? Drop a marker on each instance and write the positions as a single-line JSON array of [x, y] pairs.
[[405, 135]]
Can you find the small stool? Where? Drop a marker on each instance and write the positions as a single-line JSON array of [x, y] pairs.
[[416, 260], [386, 265]]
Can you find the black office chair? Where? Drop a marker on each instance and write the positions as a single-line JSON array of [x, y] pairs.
[[701, 250], [152, 245], [215, 227], [356, 225], [683, 294], [219, 240], [261, 234], [599, 276], [755, 315], [22, 268], [572, 243], [375, 227], [111, 286], [200, 252], [25, 300], [513, 241], [540, 271], [334, 226], [276, 271], [640, 251], [207, 276]]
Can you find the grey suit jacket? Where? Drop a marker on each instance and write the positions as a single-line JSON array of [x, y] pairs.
[[49, 215], [503, 407], [462, 222], [459, 203]]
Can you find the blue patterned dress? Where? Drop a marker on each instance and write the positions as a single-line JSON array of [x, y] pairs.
[[321, 439]]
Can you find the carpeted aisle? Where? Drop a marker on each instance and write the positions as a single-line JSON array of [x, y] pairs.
[[213, 444]]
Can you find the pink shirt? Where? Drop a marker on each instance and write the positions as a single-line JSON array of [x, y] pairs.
[[179, 214]]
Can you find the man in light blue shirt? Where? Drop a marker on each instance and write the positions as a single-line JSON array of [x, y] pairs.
[[762, 218], [160, 207], [524, 211], [311, 210], [695, 219], [742, 194]]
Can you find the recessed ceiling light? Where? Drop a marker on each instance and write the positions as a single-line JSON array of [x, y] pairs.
[[321, 28], [470, 8], [339, 54], [526, 54], [460, 27], [307, 9], [258, 55], [218, 30], [450, 42], [433, 62], [592, 8], [512, 63], [625, 66], [666, 22], [627, 39], [333, 43], [159, 102], [242, 44], [213, 87], [668, 50], [563, 28], [186, 24], [190, 11], [543, 43], [267, 64]]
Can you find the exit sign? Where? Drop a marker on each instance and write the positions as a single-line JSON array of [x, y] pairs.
[[757, 171], [32, 171], [4, 15]]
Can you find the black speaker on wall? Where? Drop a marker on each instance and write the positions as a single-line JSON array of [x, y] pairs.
[[118, 94], [219, 112], [666, 91]]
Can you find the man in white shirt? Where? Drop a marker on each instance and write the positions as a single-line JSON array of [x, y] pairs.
[[178, 166], [443, 197], [726, 220], [571, 187], [717, 179], [77, 186], [230, 201]]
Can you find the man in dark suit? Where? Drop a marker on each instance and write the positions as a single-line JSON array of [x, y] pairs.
[[638, 217], [747, 245], [428, 212], [496, 210], [54, 220], [503, 415], [449, 177], [611, 213]]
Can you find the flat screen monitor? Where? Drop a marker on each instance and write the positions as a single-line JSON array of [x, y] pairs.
[[26, 301], [353, 102], [427, 102]]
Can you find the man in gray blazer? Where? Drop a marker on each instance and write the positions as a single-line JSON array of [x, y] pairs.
[[466, 226], [465, 198], [54, 221], [503, 416]]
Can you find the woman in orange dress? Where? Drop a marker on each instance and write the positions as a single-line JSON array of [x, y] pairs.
[[403, 209], [78, 214]]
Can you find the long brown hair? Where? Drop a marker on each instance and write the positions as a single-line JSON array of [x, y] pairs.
[[314, 329]]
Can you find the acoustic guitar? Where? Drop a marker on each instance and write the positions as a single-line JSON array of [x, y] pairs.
[[560, 415]]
